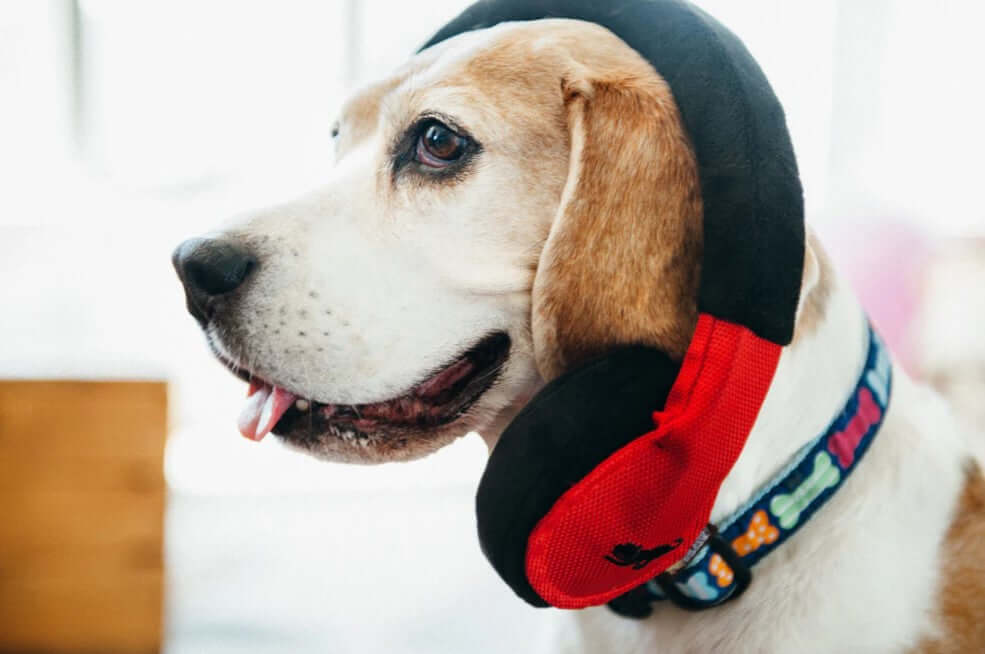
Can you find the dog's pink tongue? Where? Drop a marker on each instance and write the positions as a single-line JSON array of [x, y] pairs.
[[264, 407]]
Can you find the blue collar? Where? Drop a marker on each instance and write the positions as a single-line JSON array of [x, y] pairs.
[[717, 567]]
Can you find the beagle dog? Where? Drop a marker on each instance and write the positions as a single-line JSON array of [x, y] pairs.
[[449, 267]]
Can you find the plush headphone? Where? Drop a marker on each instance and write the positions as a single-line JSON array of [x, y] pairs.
[[608, 476]]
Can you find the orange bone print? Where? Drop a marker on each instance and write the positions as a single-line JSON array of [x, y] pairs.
[[760, 531], [719, 568]]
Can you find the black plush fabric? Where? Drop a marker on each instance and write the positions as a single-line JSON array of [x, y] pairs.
[[754, 222], [575, 422]]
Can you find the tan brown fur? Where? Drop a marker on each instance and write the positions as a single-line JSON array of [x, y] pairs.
[[630, 170], [622, 262], [961, 602], [359, 115], [816, 287]]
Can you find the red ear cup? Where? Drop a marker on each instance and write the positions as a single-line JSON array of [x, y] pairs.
[[640, 510]]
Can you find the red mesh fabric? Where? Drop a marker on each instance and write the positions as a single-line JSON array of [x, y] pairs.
[[606, 534]]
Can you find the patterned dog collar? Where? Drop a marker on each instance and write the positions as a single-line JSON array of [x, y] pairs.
[[717, 568]]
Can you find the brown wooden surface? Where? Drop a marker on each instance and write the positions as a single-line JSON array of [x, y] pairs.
[[82, 491]]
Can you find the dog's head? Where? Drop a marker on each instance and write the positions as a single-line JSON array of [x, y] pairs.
[[510, 203]]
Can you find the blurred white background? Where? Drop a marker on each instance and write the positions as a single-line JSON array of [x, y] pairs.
[[128, 125]]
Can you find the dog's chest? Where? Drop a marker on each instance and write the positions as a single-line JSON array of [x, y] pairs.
[[861, 576]]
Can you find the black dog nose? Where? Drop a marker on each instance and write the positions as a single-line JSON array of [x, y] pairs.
[[209, 267]]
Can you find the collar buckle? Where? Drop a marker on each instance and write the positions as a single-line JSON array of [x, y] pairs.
[[690, 586], [702, 592]]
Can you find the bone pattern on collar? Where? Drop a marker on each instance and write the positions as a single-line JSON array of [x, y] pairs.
[[787, 501]]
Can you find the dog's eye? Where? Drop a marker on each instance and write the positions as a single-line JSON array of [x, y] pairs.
[[438, 145]]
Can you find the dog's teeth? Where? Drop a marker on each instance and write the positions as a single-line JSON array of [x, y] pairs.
[[302, 405]]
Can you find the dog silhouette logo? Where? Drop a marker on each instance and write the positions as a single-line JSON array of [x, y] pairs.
[[632, 554]]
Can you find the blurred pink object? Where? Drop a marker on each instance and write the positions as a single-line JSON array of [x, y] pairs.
[[885, 262]]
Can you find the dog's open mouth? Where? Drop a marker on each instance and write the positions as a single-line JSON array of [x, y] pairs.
[[438, 400]]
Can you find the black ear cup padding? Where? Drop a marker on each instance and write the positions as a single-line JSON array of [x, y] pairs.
[[575, 423]]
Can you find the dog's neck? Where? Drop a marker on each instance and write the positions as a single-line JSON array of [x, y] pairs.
[[816, 374]]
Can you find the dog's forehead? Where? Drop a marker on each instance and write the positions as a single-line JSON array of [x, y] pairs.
[[425, 70], [476, 70]]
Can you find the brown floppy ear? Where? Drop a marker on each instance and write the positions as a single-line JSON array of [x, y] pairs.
[[621, 264]]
